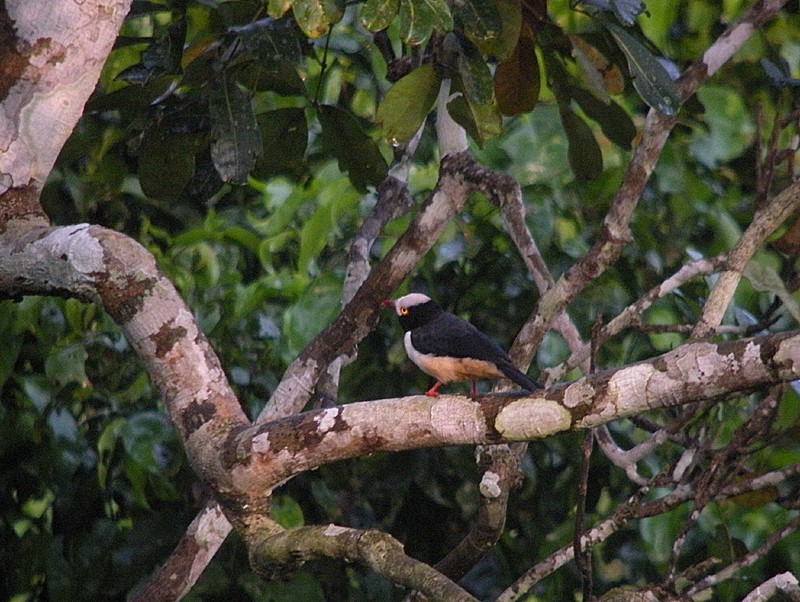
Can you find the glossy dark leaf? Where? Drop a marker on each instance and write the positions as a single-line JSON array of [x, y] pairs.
[[165, 53], [585, 157], [284, 134], [272, 39], [418, 19], [650, 78], [481, 120], [357, 153], [474, 73], [277, 75], [166, 161], [235, 137], [378, 14], [481, 21], [612, 118], [517, 81], [407, 103]]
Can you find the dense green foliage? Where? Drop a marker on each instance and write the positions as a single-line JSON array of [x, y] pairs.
[[244, 154]]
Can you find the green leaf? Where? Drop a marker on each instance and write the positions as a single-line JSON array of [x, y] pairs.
[[481, 21], [277, 8], [730, 128], [407, 103], [584, 154], [378, 14], [614, 121], [143, 436], [476, 78], [315, 17], [236, 139], [277, 75], [650, 78], [166, 161], [106, 443], [765, 278], [65, 365], [357, 153], [276, 40], [419, 18], [309, 315], [517, 81], [284, 134], [337, 198], [287, 512], [481, 120]]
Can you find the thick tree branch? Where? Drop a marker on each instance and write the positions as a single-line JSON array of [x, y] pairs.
[[46, 79], [267, 454]]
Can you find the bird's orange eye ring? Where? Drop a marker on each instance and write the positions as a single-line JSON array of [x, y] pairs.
[[403, 311]]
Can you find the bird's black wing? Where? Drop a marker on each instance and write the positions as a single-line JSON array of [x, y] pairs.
[[451, 336]]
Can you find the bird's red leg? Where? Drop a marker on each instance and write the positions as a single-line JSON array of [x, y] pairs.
[[474, 389], [432, 391]]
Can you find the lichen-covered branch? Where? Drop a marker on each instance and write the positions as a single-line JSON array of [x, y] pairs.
[[267, 454], [377, 550]]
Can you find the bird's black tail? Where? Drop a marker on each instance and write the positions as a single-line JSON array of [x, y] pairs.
[[522, 379]]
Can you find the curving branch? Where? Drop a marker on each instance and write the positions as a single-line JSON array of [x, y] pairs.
[[375, 549]]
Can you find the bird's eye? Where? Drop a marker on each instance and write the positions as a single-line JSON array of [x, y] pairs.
[[403, 311]]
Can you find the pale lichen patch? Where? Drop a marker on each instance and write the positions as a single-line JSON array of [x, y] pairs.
[[578, 393], [261, 444], [327, 419], [532, 419], [490, 485], [452, 417]]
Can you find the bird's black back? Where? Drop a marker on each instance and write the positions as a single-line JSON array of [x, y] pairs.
[[448, 335]]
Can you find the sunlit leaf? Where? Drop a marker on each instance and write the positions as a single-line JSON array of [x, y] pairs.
[[407, 103], [650, 78], [357, 153], [316, 16], [236, 139], [585, 157], [277, 8], [378, 14], [517, 81]]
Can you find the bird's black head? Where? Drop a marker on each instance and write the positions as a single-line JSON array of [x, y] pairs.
[[414, 310]]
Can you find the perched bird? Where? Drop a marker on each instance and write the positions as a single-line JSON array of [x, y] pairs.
[[449, 348]]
